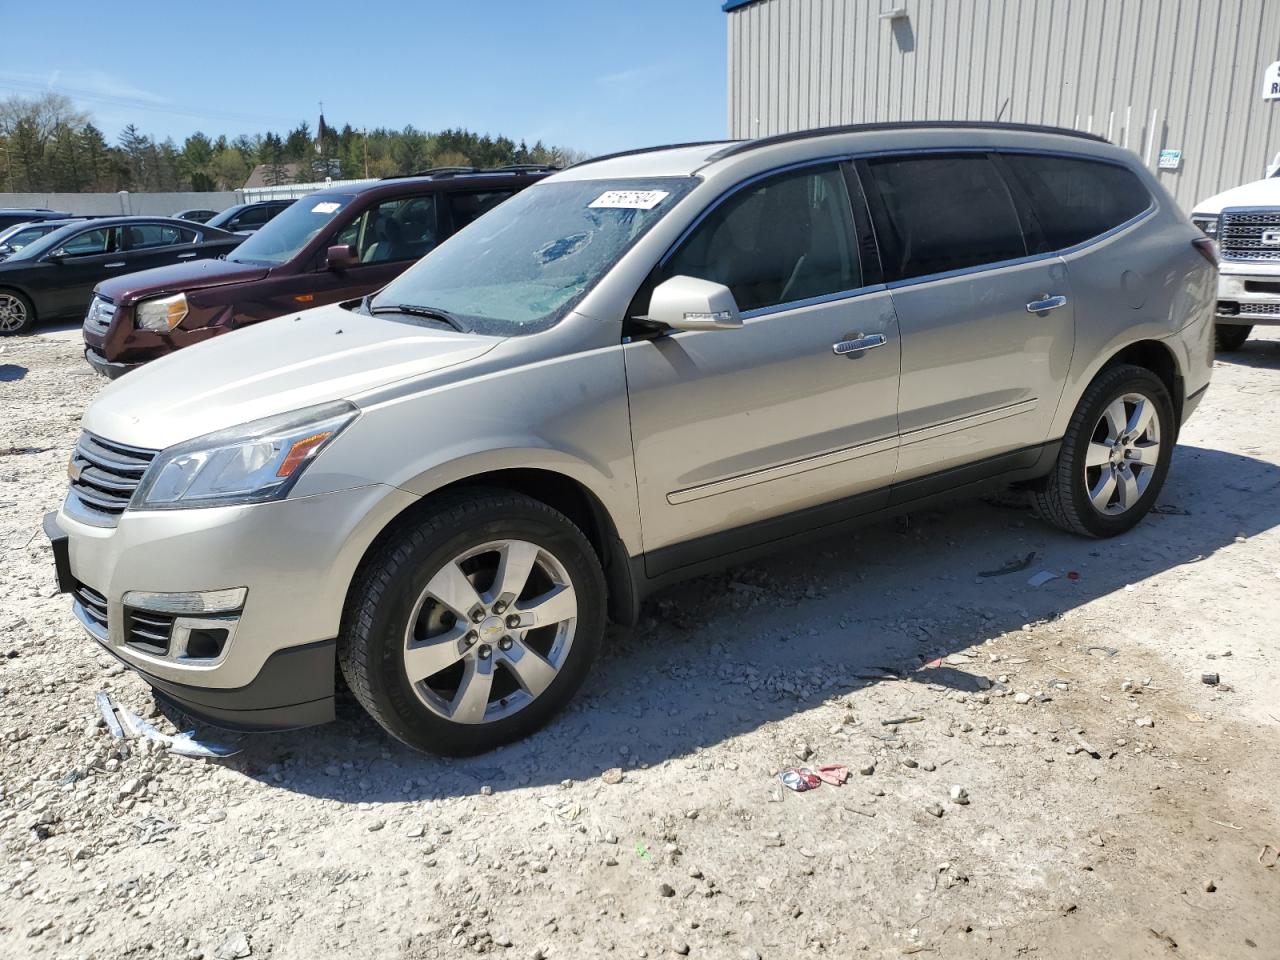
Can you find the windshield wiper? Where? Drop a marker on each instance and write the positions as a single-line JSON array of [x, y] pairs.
[[427, 313]]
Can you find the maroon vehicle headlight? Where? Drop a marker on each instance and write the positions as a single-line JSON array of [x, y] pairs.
[[161, 314]]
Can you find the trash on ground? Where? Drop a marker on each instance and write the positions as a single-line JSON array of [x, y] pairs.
[[1209, 679], [894, 721], [109, 715], [1041, 578], [1013, 566], [1073, 575], [1262, 856], [1109, 651], [799, 779], [184, 744], [834, 774], [959, 795]]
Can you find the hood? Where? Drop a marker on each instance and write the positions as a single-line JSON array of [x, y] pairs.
[[1260, 193], [192, 275], [274, 367]]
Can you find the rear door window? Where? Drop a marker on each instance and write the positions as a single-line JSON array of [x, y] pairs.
[[1074, 199], [148, 235], [938, 213], [785, 239]]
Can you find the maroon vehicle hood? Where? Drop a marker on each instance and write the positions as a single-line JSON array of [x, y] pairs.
[[180, 277]]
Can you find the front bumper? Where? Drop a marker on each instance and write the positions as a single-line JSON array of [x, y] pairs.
[[1248, 294], [105, 367], [295, 558]]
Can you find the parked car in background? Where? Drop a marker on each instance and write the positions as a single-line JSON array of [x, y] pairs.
[[249, 217], [333, 245], [1245, 224], [53, 277], [11, 215], [14, 238], [198, 215], [636, 370]]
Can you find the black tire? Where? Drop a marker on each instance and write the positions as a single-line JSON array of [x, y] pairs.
[[1064, 499], [389, 583], [8, 299], [1230, 336]]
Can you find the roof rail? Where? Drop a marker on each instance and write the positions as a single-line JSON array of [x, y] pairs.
[[743, 146], [433, 172], [522, 168], [636, 152]]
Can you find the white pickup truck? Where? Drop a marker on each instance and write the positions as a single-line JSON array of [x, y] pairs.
[[1245, 222]]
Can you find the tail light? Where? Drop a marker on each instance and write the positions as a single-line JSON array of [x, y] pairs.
[[1204, 246]]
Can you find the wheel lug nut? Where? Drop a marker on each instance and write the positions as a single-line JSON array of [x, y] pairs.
[[485, 651], [505, 643], [513, 621], [477, 616], [472, 637], [499, 607]]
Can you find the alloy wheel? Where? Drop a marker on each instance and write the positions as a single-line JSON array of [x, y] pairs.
[[13, 313], [490, 631], [1123, 453]]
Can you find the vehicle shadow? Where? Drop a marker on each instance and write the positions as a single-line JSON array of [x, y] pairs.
[[1264, 354], [724, 655], [11, 372]]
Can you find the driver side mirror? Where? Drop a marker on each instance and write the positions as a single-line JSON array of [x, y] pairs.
[[58, 256], [687, 303], [341, 256]]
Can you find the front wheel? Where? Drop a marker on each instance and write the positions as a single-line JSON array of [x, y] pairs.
[[1114, 457], [473, 624], [1230, 336]]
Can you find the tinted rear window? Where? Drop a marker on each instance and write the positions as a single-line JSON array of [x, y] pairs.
[[1076, 199], [943, 213]]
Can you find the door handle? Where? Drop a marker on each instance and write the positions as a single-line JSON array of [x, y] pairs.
[[858, 344], [185, 256], [1046, 303], [119, 264]]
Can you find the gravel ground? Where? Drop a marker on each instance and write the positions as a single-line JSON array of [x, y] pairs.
[[1117, 806]]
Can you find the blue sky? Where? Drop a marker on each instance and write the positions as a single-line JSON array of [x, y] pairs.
[[597, 75]]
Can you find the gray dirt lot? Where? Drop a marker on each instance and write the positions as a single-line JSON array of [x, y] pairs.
[[339, 842]]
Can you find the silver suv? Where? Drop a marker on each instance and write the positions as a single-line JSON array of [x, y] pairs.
[[641, 368]]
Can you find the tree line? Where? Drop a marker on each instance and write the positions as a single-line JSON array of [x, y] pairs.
[[48, 145]]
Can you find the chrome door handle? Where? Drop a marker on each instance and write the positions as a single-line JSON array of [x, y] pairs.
[[1046, 303], [120, 264], [185, 256], [858, 344]]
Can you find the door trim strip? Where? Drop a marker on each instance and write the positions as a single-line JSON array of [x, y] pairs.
[[781, 471], [936, 430]]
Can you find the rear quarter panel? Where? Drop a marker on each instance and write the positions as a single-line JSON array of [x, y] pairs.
[[1144, 282]]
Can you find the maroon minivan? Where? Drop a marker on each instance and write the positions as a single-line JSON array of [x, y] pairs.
[[336, 244]]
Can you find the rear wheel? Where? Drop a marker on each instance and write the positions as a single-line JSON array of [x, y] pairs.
[[474, 625], [1231, 336], [17, 315], [1114, 457]]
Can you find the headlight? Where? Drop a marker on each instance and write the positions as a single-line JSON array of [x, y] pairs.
[[1208, 225], [161, 314], [250, 463]]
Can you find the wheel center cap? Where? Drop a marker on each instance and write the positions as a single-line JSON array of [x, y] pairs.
[[491, 628]]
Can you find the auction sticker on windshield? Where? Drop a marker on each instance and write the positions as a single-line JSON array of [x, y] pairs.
[[327, 206], [629, 199]]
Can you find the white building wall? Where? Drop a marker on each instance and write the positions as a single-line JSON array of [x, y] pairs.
[[1148, 74]]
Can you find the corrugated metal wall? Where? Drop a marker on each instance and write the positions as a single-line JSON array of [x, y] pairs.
[[1108, 66]]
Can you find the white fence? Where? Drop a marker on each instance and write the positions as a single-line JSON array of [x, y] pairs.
[[123, 203], [291, 191]]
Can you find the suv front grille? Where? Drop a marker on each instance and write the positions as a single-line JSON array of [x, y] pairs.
[[101, 313], [92, 604], [104, 476], [1259, 309], [148, 631], [1241, 233]]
